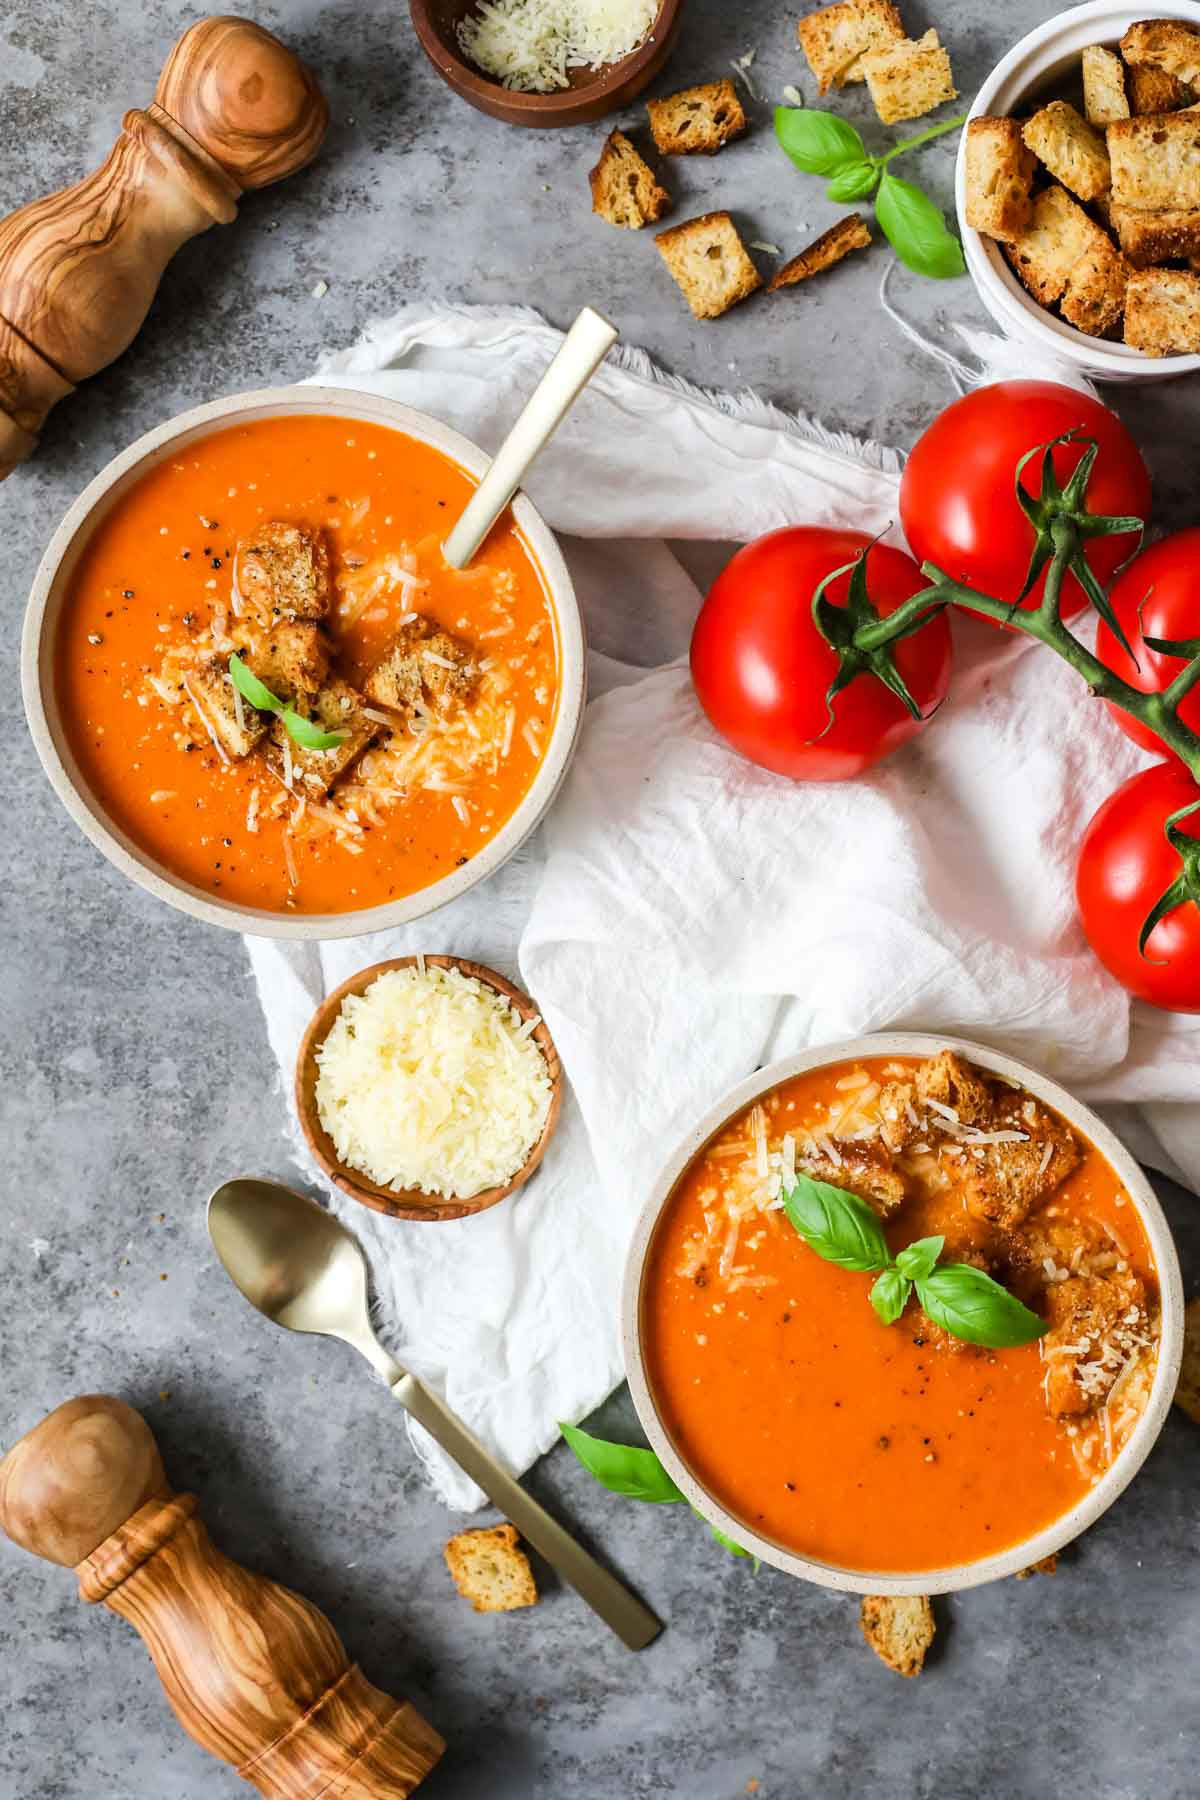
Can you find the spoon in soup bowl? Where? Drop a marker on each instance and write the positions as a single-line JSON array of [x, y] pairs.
[[301, 1268]]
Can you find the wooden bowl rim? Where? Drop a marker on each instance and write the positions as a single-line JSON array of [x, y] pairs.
[[469, 80], [410, 1203]]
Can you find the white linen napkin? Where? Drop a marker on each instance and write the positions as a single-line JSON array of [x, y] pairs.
[[683, 916]]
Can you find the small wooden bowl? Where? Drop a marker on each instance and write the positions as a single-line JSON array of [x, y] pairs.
[[592, 93], [410, 1203]]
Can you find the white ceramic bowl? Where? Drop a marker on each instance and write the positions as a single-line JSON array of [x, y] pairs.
[[53, 580], [1096, 1501], [1050, 54]]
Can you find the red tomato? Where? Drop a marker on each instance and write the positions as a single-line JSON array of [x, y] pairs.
[[1163, 586], [958, 502], [1125, 867], [762, 669]]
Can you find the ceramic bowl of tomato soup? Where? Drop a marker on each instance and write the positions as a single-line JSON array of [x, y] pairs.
[[260, 690], [897, 1458]]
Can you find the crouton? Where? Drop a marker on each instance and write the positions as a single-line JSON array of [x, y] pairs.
[[899, 1123], [1045, 1565], [999, 178], [947, 1080], [908, 79], [1156, 161], [1148, 238], [425, 666], [835, 39], [1072, 150], [1057, 237], [1096, 1323], [1187, 1389], [710, 263], [624, 188], [1162, 312], [282, 572], [1104, 97], [848, 234], [230, 723], [337, 707], [491, 1570], [1094, 297], [856, 1171], [1154, 91], [1168, 44], [292, 659], [697, 122], [1004, 1183], [899, 1629]]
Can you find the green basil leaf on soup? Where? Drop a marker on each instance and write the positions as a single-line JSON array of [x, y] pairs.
[[308, 735], [251, 688], [916, 230], [623, 1468], [840, 1227], [820, 143], [889, 1295], [968, 1304], [916, 1259]]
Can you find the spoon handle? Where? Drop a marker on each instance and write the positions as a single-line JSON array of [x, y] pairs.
[[633, 1623], [582, 351]]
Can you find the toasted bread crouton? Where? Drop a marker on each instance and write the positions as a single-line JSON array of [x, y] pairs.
[[1168, 44], [908, 79], [624, 188], [292, 659], [949, 1081], [425, 666], [1162, 312], [491, 1570], [229, 723], [1104, 96], [848, 234], [338, 707], [835, 39], [282, 572], [1057, 237], [1045, 1565], [1096, 1323], [710, 263], [899, 1629], [699, 121], [1094, 297], [1004, 1183], [1074, 151], [999, 172], [856, 1171], [1153, 90], [1148, 238], [1156, 161], [1187, 1389]]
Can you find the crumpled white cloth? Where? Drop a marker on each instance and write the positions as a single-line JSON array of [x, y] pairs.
[[683, 916]]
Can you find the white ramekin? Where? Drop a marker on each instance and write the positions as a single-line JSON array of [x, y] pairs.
[[1051, 53], [1095, 1502], [52, 582]]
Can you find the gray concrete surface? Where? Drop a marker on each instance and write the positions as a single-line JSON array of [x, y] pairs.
[[135, 1072]]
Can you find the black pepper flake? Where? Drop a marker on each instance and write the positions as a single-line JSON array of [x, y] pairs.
[[790, 1486], [216, 562], [459, 861], [228, 843], [885, 1443], [127, 593]]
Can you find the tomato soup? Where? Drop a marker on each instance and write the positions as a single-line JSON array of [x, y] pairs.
[[156, 591], [898, 1448]]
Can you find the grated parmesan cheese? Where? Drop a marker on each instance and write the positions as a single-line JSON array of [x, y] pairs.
[[533, 44], [430, 1081]]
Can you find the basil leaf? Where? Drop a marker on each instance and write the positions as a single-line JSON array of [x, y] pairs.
[[970, 1305], [622, 1468], [916, 230], [838, 1226], [251, 688], [889, 1295], [308, 735], [916, 1259], [734, 1549], [818, 142], [854, 182]]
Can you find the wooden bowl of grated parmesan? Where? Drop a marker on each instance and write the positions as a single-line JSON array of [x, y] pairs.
[[428, 1087], [547, 62]]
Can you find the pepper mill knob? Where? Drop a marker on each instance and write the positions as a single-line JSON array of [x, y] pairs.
[[254, 1673]]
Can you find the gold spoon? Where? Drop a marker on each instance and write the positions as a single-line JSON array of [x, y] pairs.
[[301, 1268]]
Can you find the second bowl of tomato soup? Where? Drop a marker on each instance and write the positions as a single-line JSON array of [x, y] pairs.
[[902, 1316], [260, 689]]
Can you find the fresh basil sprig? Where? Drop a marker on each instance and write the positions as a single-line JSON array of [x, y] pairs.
[[300, 729], [638, 1474], [822, 143], [963, 1300]]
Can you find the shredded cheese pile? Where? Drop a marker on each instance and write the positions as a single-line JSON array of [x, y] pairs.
[[532, 44], [430, 1080]]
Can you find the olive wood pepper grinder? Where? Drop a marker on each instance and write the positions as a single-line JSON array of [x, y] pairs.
[[234, 109], [253, 1672]]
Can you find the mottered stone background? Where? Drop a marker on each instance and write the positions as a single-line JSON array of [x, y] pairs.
[[135, 1073]]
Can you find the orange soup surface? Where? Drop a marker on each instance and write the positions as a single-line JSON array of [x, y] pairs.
[[158, 580], [859, 1444]]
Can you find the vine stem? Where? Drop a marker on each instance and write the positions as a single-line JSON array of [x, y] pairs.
[[922, 137]]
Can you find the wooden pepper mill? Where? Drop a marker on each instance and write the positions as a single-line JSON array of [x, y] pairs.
[[254, 1673], [234, 109]]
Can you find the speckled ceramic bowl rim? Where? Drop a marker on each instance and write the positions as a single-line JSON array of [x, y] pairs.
[[1027, 66], [1093, 1503], [70, 540]]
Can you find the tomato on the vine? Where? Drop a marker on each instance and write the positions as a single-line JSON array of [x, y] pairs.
[[958, 501], [1157, 596], [762, 668], [1126, 865]]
